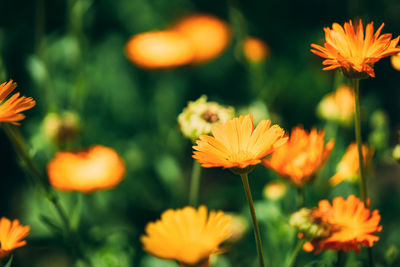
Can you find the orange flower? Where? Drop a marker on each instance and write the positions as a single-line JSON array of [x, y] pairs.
[[301, 157], [10, 109], [236, 144], [208, 34], [159, 49], [255, 49], [352, 225], [187, 235], [355, 53], [395, 60], [98, 168], [349, 166], [11, 235]]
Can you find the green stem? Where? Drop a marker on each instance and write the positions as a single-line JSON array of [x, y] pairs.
[[246, 186], [296, 252], [357, 124], [195, 184], [300, 197], [370, 257], [341, 257]]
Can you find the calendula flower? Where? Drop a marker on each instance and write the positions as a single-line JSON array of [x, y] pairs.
[[274, 190], [395, 60], [255, 49], [10, 109], [338, 106], [349, 168], [301, 157], [61, 128], [12, 234], [355, 52], [159, 49], [236, 144], [187, 235], [98, 168], [309, 224], [208, 35], [351, 225], [199, 116]]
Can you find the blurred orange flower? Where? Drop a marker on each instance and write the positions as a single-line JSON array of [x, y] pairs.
[[352, 225], [208, 34], [395, 60], [10, 109], [98, 168], [159, 49], [301, 157], [11, 235], [187, 235], [255, 49], [236, 144], [349, 166], [353, 51]]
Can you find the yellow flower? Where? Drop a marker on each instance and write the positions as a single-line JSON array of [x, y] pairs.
[[11, 235], [349, 166], [187, 235], [255, 49], [10, 109], [236, 144], [395, 60], [338, 106], [274, 190], [159, 49], [348, 48], [208, 35], [301, 157]]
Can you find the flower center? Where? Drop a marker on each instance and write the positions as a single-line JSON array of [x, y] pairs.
[[210, 117]]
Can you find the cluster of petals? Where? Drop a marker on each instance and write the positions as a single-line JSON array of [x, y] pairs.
[[10, 109], [236, 144], [12, 234], [98, 168], [352, 49], [194, 39], [352, 225], [187, 235], [301, 157]]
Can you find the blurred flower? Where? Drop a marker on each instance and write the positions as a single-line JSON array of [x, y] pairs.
[[355, 53], [301, 157], [274, 190], [159, 49], [61, 128], [208, 34], [10, 109], [11, 235], [352, 225], [309, 224], [199, 116], [255, 49], [87, 171], [236, 144], [257, 109], [349, 168], [396, 153], [395, 60], [187, 235], [239, 226], [338, 106]]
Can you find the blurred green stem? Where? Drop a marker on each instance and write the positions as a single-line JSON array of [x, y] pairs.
[[195, 184], [357, 124], [341, 258], [296, 252], [371, 257], [300, 197], [245, 180]]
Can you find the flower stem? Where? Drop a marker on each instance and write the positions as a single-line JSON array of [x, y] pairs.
[[341, 258], [357, 124], [370, 257], [195, 184], [300, 197], [246, 186], [295, 253]]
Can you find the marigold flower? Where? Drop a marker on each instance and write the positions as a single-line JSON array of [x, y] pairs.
[[301, 157], [255, 49], [98, 168], [349, 167], [11, 235], [348, 48], [274, 190], [352, 225], [236, 144], [338, 106], [159, 49], [395, 60], [199, 116], [10, 109], [208, 34], [187, 235]]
